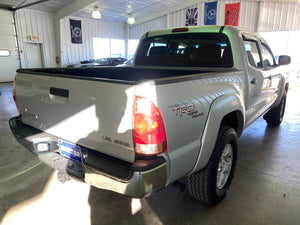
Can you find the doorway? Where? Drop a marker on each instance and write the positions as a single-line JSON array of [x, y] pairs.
[[34, 55]]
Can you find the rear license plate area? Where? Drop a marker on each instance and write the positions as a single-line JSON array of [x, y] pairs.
[[70, 151]]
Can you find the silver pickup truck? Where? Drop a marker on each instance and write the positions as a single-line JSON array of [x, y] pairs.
[[177, 113]]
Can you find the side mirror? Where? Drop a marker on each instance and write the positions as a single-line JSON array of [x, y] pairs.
[[284, 60]]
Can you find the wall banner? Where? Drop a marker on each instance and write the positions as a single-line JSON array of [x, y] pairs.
[[191, 18], [76, 32], [232, 14], [210, 13]]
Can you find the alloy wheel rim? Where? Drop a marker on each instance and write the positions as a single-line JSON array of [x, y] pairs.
[[224, 167]]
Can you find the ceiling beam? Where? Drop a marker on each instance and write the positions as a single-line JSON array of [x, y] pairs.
[[72, 8]]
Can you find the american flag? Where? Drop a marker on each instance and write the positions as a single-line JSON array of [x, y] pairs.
[[191, 18]]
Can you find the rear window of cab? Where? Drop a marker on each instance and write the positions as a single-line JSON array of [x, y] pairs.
[[197, 50]]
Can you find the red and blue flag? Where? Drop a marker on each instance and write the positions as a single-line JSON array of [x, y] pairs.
[[191, 18]]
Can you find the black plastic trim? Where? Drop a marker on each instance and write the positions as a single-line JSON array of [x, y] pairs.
[[221, 29]]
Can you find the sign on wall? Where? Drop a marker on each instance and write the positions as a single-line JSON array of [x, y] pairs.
[[76, 32], [191, 18], [210, 13], [232, 14]]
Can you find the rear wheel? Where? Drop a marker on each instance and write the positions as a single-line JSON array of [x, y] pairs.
[[275, 115], [211, 184]]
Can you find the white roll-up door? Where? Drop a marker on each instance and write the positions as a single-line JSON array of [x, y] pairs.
[[9, 59]]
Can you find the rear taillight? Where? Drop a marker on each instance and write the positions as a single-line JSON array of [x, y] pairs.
[[14, 95], [149, 130]]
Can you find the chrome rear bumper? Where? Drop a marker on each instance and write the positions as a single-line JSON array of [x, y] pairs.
[[136, 180]]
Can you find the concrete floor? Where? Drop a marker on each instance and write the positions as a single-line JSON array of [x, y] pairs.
[[265, 189]]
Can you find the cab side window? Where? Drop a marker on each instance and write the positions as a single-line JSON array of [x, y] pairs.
[[252, 51], [268, 59]]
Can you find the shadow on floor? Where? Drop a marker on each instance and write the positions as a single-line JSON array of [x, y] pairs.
[[23, 187]]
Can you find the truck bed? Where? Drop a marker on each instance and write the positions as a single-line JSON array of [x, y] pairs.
[[112, 74]]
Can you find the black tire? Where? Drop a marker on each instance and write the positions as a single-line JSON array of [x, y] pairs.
[[203, 185], [275, 115]]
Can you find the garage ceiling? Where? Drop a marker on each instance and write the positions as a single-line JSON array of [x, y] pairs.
[[117, 10], [111, 10], [43, 5]]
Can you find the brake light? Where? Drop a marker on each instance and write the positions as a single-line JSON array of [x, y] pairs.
[[183, 29], [149, 130], [15, 96]]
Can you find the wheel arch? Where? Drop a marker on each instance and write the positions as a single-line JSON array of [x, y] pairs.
[[226, 110], [234, 120]]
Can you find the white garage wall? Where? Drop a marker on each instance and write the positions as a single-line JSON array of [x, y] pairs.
[[137, 31], [280, 16], [248, 18], [73, 53], [274, 16], [39, 24]]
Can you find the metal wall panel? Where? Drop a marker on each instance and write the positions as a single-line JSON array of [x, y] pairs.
[[137, 31], [74, 53], [248, 18], [280, 16], [274, 16], [39, 24]]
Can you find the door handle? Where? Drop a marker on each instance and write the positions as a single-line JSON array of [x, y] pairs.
[[59, 95], [59, 92]]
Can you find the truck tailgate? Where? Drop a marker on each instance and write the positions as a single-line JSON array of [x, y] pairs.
[[93, 113]]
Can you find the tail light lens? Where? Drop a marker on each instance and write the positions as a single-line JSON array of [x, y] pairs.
[[149, 130], [15, 96]]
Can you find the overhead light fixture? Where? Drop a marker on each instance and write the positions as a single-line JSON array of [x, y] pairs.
[[130, 19], [96, 13]]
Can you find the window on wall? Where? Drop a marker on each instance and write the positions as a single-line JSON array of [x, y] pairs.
[[132, 45], [105, 47], [117, 48], [4, 53], [101, 48]]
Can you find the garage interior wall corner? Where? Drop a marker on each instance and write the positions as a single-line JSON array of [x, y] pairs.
[[36, 28]]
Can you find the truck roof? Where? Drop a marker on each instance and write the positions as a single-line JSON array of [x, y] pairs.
[[191, 29], [202, 29]]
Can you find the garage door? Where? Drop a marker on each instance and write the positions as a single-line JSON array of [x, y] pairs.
[[9, 60]]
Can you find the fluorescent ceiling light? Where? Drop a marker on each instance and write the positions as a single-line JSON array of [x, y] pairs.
[[96, 13], [130, 19]]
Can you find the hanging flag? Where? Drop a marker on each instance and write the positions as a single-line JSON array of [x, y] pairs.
[[191, 18], [232, 14], [210, 13], [76, 33]]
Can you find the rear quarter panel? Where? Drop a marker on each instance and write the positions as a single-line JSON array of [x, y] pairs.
[[185, 105]]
